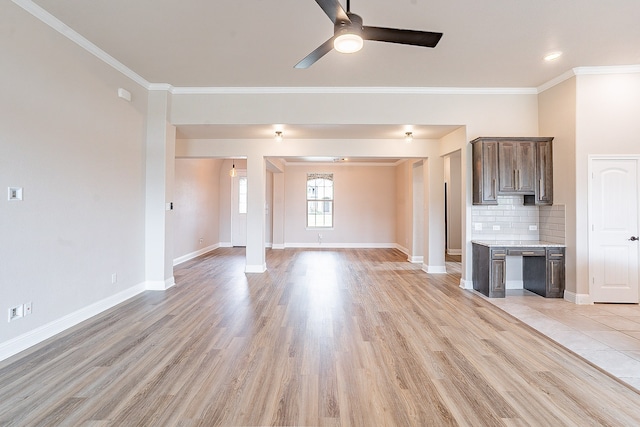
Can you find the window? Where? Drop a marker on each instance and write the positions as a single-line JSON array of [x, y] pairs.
[[242, 195], [319, 200]]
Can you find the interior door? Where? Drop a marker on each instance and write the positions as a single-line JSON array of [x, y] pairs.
[[239, 209], [613, 248]]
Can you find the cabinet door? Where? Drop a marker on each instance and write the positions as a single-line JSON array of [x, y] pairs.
[[555, 273], [497, 285], [544, 173], [517, 167], [485, 173], [525, 167], [507, 152]]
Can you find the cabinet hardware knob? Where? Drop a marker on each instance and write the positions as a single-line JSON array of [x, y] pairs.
[[634, 238]]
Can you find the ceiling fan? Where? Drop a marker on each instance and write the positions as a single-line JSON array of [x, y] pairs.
[[349, 33]]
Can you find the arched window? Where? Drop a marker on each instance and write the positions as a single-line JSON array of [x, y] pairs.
[[319, 200]]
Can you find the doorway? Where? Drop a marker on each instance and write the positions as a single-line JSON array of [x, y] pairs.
[[614, 193], [239, 209]]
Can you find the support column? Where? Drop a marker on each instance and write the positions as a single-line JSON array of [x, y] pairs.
[[160, 155], [434, 216], [256, 189]]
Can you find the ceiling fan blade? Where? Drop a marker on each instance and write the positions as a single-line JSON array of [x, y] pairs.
[[393, 35], [321, 51], [334, 11]]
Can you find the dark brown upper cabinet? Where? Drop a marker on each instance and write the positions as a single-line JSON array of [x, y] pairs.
[[512, 166]]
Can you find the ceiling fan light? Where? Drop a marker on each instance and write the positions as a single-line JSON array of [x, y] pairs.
[[348, 43]]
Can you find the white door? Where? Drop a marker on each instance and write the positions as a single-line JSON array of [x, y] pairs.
[[239, 209], [613, 244]]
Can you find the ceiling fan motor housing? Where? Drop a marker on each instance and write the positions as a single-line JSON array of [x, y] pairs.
[[345, 27]]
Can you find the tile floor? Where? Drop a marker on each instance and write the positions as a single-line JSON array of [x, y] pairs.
[[607, 335]]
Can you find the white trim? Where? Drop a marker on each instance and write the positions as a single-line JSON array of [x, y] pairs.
[[586, 71], [59, 26], [434, 269], [192, 255], [69, 33], [514, 284], [580, 299], [613, 69], [255, 268], [454, 251], [277, 246], [466, 284], [414, 259], [355, 90], [225, 245], [350, 164], [401, 249], [159, 285], [36, 336], [342, 245], [556, 81]]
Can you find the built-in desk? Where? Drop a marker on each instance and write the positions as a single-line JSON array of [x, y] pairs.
[[542, 266]]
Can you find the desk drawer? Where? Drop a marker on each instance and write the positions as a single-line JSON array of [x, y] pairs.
[[527, 252]]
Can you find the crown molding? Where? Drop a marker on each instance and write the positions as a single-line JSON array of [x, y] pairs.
[[589, 71], [53, 22], [353, 90]]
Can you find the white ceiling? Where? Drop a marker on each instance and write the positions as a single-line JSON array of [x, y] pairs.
[[256, 43]]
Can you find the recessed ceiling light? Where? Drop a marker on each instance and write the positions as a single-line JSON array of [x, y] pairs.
[[552, 56]]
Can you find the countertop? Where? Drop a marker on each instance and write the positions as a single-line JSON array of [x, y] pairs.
[[518, 243]]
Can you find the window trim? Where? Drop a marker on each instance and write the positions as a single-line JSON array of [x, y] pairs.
[[313, 176]]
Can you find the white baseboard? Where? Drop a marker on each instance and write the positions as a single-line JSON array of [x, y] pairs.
[[160, 285], [402, 249], [255, 268], [277, 246], [225, 245], [36, 336], [580, 299], [434, 269], [466, 284], [514, 284], [341, 245], [454, 251], [416, 259], [195, 254]]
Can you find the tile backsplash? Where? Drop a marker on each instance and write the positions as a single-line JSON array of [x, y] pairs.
[[511, 220], [552, 223]]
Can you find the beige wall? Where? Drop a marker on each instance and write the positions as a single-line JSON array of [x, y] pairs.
[[364, 206], [607, 112], [77, 150], [588, 115], [558, 119], [196, 206]]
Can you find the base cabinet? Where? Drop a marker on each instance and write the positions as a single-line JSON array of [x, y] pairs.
[[543, 269]]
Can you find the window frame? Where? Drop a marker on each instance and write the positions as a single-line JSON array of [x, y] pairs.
[[312, 177]]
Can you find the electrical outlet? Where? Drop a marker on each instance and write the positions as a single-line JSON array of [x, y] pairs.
[[201, 240], [15, 312], [496, 227], [477, 226], [533, 227], [114, 278], [28, 308]]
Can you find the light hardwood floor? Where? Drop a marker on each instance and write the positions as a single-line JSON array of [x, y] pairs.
[[325, 337]]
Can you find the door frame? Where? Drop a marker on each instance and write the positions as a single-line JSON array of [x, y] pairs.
[[590, 168], [234, 185]]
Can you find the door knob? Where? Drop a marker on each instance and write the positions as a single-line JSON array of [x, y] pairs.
[[634, 238]]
